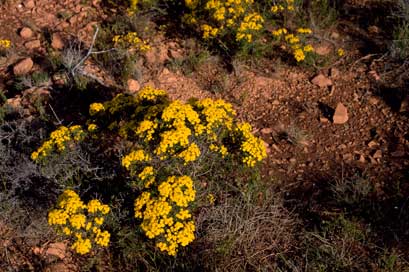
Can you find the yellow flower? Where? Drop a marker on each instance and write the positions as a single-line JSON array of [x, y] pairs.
[[252, 147], [99, 220], [308, 48], [78, 221], [94, 108], [149, 93], [82, 246], [340, 52], [102, 238], [58, 141], [211, 198], [135, 156], [5, 43], [70, 217], [92, 127], [304, 30], [190, 154], [299, 55]]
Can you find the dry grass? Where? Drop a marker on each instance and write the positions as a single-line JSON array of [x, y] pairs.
[[246, 233]]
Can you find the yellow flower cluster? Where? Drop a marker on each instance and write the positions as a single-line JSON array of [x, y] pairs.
[[173, 138], [147, 176], [251, 23], [133, 4], [5, 44], [279, 32], [146, 129], [304, 30], [252, 147], [298, 49], [94, 108], [165, 217], [168, 134], [83, 222], [288, 5], [133, 157], [131, 40], [150, 94], [178, 117], [58, 141], [222, 150], [216, 114], [190, 154], [226, 16], [92, 127], [340, 52], [178, 113]]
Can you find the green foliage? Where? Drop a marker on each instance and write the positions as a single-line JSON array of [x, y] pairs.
[[400, 43]]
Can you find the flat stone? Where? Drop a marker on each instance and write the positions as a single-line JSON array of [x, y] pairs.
[[23, 67], [266, 130], [324, 120], [377, 154], [29, 4], [26, 33], [372, 144], [341, 114], [133, 85], [32, 44], [57, 42], [321, 81], [323, 49]]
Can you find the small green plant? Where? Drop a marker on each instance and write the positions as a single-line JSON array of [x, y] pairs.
[[322, 14], [400, 43]]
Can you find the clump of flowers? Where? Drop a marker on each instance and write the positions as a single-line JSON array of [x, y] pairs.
[[295, 41], [222, 18], [131, 40], [166, 145], [165, 216], [169, 136], [5, 43], [59, 141], [287, 5], [79, 221]]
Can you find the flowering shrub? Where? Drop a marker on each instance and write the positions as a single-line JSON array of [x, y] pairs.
[[167, 143], [295, 41], [131, 41], [225, 18], [168, 133], [59, 140], [74, 219]]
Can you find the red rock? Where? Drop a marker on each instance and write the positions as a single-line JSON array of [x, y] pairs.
[[23, 67], [57, 42], [323, 49], [340, 115], [32, 44], [133, 85], [266, 130], [29, 4], [321, 81], [26, 33], [57, 249]]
